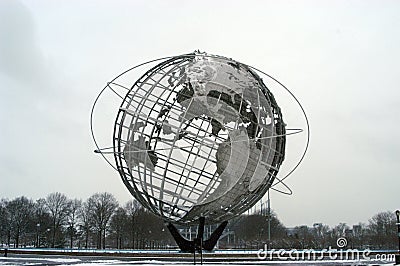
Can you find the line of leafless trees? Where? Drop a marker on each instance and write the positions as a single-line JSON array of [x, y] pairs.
[[101, 222], [379, 233]]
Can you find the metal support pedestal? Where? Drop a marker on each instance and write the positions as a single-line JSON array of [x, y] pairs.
[[198, 244], [398, 236]]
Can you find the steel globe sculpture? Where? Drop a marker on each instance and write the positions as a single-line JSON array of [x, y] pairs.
[[198, 136]]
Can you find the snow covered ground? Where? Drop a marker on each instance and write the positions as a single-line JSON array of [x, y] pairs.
[[85, 261], [81, 257]]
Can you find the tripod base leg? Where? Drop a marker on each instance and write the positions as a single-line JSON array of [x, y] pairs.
[[198, 244]]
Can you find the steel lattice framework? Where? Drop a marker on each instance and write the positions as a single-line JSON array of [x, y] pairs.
[[199, 136]]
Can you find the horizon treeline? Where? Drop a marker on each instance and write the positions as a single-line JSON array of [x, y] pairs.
[[101, 222]]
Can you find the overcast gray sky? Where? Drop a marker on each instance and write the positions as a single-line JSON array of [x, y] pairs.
[[340, 58]]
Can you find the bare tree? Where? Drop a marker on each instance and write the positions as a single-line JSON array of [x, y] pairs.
[[42, 220], [102, 207], [118, 225], [382, 230], [253, 229], [359, 236], [304, 237], [150, 230], [132, 208], [323, 235], [58, 207], [20, 215], [4, 223], [340, 230], [74, 206], [85, 224]]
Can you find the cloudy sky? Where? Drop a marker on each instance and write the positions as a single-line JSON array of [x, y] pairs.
[[340, 58]]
